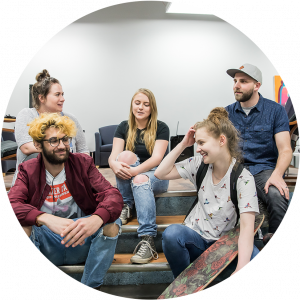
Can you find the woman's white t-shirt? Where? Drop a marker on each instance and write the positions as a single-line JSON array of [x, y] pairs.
[[215, 214]]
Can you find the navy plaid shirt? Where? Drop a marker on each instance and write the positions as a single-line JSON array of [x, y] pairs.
[[257, 132]]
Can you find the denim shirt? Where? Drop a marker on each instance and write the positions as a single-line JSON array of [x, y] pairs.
[[257, 132]]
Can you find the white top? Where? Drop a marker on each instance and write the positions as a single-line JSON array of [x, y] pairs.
[[215, 214]]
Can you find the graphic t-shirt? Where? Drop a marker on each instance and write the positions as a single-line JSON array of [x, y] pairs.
[[59, 201], [215, 213]]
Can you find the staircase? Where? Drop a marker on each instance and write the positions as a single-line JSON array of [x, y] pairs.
[[142, 280], [148, 281]]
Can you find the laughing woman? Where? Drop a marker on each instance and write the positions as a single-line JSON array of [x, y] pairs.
[[139, 146], [48, 97], [214, 214]]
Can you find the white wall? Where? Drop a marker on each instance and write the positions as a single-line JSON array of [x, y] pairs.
[[103, 58]]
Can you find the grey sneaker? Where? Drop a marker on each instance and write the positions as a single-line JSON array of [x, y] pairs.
[[144, 251], [125, 214]]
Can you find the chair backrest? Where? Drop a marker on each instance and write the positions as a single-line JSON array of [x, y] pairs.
[[107, 134], [289, 108], [8, 136]]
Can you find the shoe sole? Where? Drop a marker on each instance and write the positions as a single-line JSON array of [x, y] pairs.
[[125, 221], [140, 260]]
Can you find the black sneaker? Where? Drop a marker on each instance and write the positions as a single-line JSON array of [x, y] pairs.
[[144, 251], [267, 237]]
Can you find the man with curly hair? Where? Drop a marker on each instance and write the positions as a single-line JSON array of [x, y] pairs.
[[64, 204]]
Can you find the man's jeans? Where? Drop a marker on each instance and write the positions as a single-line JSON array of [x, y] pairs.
[[97, 252], [142, 194], [276, 204], [182, 245]]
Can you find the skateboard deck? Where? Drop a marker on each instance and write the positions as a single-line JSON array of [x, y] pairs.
[[199, 274]]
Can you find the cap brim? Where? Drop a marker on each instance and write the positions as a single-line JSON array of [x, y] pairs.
[[232, 72]]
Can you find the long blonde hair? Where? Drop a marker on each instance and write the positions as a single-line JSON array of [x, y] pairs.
[[149, 134]]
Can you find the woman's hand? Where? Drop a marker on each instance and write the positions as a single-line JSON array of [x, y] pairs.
[[121, 170], [189, 139]]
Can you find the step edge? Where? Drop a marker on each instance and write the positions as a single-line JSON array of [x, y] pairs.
[[114, 268], [134, 228]]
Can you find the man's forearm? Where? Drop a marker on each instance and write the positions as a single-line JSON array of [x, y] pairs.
[[283, 161]]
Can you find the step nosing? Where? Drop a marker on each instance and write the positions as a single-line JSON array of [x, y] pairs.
[[74, 269]]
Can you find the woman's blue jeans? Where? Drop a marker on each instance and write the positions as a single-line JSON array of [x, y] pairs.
[[182, 245], [142, 194], [97, 252]]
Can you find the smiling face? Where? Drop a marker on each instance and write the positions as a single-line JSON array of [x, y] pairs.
[[54, 101], [141, 107], [55, 155], [208, 146], [243, 87]]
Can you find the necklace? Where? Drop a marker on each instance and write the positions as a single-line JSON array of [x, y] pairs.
[[216, 176]]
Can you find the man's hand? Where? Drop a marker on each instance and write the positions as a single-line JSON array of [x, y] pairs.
[[82, 228], [277, 180], [55, 224]]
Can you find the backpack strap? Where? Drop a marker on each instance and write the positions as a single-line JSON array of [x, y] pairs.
[[199, 178], [235, 173]]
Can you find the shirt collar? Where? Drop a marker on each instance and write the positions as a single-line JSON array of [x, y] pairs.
[[258, 106]]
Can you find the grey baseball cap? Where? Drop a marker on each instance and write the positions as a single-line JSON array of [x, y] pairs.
[[249, 70]]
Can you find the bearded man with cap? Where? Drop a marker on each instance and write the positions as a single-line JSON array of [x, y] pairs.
[[264, 128]]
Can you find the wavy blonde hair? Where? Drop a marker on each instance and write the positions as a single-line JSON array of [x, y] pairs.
[[39, 125], [149, 134], [218, 123]]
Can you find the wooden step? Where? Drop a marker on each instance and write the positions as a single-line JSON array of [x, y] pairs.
[[162, 223], [122, 263]]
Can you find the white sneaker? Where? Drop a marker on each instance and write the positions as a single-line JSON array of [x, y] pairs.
[[125, 214]]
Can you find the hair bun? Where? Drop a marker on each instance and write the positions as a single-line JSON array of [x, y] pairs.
[[217, 114], [42, 75]]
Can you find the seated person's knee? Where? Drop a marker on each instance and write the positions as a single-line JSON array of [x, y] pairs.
[[140, 178], [127, 157], [111, 230], [27, 230]]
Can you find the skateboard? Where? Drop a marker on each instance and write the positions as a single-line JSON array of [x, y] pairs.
[[199, 274]]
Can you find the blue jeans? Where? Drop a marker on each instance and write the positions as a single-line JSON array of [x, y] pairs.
[[97, 252], [182, 245], [142, 194]]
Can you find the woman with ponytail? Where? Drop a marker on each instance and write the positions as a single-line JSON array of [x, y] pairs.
[[139, 145], [48, 97], [214, 214]]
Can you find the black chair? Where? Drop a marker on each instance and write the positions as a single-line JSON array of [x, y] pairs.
[[8, 164], [103, 141]]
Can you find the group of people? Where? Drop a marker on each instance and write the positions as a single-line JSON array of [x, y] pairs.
[[73, 214]]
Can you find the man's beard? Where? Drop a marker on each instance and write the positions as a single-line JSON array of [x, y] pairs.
[[244, 97], [53, 159]]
